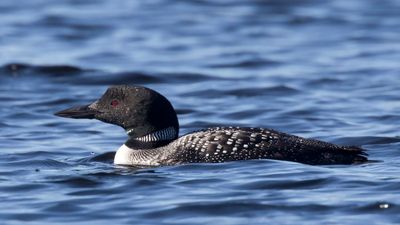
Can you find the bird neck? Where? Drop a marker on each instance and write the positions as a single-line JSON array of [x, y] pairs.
[[154, 139]]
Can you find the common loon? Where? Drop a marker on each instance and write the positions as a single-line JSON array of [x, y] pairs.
[[152, 126]]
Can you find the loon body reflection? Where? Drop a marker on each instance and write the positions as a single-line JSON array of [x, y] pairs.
[[152, 126]]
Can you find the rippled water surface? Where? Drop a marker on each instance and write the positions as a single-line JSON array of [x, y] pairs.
[[319, 69]]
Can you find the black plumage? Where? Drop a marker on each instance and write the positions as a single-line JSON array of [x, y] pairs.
[[223, 144]]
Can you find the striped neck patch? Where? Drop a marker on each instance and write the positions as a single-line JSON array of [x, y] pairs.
[[168, 133]]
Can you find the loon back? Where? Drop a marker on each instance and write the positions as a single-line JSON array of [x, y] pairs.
[[152, 127], [223, 144]]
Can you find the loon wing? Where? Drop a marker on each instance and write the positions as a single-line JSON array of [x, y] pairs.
[[228, 143]]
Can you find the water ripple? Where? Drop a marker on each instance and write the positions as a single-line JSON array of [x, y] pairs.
[[322, 70]]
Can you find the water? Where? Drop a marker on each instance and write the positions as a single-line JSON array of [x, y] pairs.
[[312, 68]]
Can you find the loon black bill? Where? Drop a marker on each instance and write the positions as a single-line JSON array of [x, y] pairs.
[[77, 112]]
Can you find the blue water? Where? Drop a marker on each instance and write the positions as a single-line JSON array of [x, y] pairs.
[[325, 70]]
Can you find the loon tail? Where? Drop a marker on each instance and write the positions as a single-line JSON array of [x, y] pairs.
[[359, 154]]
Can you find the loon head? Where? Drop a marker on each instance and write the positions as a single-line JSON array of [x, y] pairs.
[[147, 117]]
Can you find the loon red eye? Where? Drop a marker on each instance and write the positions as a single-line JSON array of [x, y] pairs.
[[114, 103]]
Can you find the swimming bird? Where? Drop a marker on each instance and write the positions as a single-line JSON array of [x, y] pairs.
[[152, 126]]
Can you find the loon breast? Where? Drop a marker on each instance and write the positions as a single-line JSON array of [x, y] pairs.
[[128, 156]]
